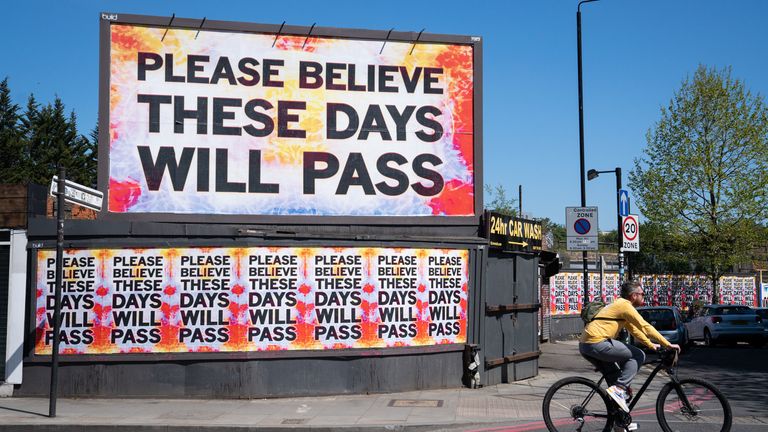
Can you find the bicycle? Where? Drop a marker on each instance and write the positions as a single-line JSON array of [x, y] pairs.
[[692, 404]]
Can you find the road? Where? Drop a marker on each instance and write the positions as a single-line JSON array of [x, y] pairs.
[[740, 372]]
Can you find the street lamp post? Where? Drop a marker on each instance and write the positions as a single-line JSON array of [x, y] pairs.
[[581, 139], [593, 174]]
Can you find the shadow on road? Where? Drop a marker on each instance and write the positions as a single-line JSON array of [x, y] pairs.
[[738, 371]]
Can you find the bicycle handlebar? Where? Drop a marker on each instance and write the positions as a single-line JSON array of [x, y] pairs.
[[667, 355]]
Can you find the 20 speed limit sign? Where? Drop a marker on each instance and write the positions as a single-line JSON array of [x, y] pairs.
[[630, 232]]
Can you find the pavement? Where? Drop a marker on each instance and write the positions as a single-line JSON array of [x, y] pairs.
[[485, 409]]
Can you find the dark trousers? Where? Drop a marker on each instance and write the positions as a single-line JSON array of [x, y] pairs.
[[617, 361]]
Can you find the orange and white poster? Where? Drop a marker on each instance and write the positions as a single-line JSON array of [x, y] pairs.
[[176, 300], [235, 123]]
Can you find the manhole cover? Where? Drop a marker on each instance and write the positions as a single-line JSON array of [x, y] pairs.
[[416, 403], [294, 421]]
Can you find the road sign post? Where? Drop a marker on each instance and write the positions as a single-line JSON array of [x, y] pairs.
[[60, 183], [581, 228], [630, 233], [76, 194], [623, 202]]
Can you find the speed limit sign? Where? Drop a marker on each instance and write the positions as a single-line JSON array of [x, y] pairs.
[[630, 233]]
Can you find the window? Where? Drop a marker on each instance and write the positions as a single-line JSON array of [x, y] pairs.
[[660, 319]]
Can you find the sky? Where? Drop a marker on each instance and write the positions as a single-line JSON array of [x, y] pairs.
[[635, 56]]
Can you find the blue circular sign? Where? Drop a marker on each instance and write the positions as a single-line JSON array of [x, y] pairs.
[[582, 226]]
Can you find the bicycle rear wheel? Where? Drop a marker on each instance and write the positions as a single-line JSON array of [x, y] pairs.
[[576, 404], [706, 409]]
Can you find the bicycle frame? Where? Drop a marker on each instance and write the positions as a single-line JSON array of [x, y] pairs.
[[647, 383]]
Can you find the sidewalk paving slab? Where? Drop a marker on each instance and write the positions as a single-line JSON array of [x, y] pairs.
[[426, 410]]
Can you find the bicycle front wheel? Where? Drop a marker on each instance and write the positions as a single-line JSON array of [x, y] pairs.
[[695, 405], [576, 404]]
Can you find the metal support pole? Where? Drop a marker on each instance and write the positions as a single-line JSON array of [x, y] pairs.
[[581, 146], [520, 200], [57, 293], [620, 237]]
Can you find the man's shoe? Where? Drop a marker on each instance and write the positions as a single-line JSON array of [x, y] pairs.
[[619, 395], [630, 427]]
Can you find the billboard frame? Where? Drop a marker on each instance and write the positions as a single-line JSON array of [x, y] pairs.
[[109, 18], [475, 250]]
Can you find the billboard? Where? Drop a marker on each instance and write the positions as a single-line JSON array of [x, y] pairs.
[[180, 300], [234, 119]]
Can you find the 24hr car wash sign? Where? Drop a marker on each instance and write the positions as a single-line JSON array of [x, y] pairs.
[[229, 122], [180, 300]]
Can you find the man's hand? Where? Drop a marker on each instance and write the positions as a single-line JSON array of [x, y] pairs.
[[675, 346], [656, 346]]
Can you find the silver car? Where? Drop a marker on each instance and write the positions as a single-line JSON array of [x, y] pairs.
[[668, 321], [727, 323]]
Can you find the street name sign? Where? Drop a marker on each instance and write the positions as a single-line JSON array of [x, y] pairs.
[[76, 193], [630, 233], [581, 228]]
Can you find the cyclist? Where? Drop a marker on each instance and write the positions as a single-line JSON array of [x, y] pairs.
[[599, 346]]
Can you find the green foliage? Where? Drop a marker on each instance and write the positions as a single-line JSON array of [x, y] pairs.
[[662, 252], [34, 143], [555, 235], [704, 175], [11, 145], [499, 201]]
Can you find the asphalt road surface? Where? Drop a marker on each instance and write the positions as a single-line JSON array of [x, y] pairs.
[[740, 372]]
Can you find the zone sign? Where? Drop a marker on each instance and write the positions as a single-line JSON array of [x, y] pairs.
[[630, 233], [581, 228]]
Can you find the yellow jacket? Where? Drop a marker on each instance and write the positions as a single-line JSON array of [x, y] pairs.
[[623, 315]]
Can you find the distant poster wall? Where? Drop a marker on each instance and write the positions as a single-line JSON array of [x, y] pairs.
[[241, 123], [660, 290], [567, 291], [252, 299]]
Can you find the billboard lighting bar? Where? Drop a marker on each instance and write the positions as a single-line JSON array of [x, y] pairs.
[[308, 33], [200, 28], [278, 34], [167, 27], [251, 232], [385, 40], [417, 39]]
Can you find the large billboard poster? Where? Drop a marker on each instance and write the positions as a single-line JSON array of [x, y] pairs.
[[237, 123], [178, 300]]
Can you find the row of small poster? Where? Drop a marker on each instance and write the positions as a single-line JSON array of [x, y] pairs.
[[567, 290]]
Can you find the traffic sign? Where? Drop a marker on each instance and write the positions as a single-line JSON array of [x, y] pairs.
[[581, 228], [76, 193], [630, 233], [623, 202]]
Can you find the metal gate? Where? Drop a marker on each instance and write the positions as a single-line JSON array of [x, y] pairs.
[[511, 345]]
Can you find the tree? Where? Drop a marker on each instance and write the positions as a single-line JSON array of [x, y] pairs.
[[704, 173], [11, 145], [555, 236], [499, 201]]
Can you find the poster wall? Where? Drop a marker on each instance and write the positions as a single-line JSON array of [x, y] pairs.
[[179, 300], [234, 123], [660, 290], [567, 291]]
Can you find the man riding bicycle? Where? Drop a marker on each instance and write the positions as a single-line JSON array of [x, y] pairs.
[[600, 347]]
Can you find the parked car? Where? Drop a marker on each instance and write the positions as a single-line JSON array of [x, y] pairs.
[[727, 323], [763, 313], [668, 321]]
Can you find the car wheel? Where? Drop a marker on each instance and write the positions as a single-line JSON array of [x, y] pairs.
[[708, 341]]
